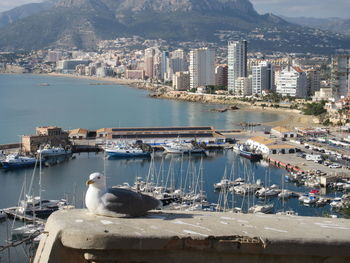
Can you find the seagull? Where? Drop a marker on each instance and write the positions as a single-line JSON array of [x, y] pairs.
[[113, 202]]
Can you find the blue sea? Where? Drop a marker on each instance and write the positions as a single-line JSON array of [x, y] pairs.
[[72, 103]]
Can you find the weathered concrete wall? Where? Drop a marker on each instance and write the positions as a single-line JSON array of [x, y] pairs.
[[77, 236]]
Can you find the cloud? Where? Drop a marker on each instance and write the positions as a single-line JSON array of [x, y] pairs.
[[308, 8], [9, 4]]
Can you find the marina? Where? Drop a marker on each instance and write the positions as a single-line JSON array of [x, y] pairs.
[[182, 181]]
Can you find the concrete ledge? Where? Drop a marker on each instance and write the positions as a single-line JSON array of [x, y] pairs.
[[77, 236]]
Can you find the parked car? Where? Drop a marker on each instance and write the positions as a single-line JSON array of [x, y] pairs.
[[334, 165]]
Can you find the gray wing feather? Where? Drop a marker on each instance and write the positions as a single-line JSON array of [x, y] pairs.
[[124, 201]]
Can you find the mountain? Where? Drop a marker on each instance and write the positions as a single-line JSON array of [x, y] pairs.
[[24, 11], [334, 24], [82, 23]]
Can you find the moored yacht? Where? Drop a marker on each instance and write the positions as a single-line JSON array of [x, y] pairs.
[[52, 151], [182, 148], [13, 161], [125, 151]]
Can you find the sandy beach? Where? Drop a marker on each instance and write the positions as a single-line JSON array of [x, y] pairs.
[[129, 82]]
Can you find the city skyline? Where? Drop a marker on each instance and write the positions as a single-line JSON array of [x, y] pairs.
[[290, 8]]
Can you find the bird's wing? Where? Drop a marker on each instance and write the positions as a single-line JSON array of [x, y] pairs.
[[128, 202]]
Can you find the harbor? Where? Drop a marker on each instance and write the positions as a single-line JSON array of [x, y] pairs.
[[189, 145], [190, 124]]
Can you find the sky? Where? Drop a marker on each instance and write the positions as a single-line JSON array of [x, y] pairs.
[[292, 8], [307, 8]]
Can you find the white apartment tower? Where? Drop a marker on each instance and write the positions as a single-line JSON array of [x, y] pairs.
[[237, 62], [340, 78], [292, 81], [262, 78], [202, 67]]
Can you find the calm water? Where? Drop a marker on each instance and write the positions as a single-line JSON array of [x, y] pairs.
[[71, 103], [74, 103]]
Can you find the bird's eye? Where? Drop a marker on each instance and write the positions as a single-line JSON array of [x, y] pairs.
[[98, 177]]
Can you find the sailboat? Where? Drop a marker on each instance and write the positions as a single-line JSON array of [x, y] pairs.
[[34, 205]]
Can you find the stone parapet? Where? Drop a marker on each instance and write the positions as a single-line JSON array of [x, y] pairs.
[[168, 236]]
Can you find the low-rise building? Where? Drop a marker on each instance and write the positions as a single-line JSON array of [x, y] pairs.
[[51, 135], [78, 134], [283, 132], [269, 146], [322, 94], [314, 132], [161, 135], [135, 74]]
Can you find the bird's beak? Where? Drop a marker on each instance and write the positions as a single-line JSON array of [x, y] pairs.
[[89, 182]]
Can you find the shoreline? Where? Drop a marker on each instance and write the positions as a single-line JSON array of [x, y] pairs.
[[291, 118]]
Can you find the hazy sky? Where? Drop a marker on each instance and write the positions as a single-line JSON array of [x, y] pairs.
[[9, 4], [309, 8]]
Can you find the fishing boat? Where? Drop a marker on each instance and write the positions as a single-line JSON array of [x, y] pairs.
[[246, 153], [13, 161], [48, 151], [125, 151], [182, 148]]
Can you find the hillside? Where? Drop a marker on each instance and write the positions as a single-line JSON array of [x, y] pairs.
[[82, 23]]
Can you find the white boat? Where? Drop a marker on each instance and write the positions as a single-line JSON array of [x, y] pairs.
[[261, 209], [311, 199], [182, 148], [336, 203], [285, 194], [27, 230], [125, 151], [13, 161], [53, 151], [287, 213], [267, 192], [2, 215], [224, 184]]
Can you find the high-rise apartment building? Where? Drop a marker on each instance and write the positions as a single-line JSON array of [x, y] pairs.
[[149, 62], [292, 81], [178, 61], [237, 62], [262, 78], [164, 65], [221, 75], [340, 77], [181, 80], [313, 81], [202, 67]]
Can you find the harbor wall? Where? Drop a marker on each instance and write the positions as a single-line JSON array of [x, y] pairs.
[[167, 236]]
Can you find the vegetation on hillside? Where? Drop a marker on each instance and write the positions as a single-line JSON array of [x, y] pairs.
[[315, 108]]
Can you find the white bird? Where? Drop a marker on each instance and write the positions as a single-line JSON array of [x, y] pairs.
[[101, 200]]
